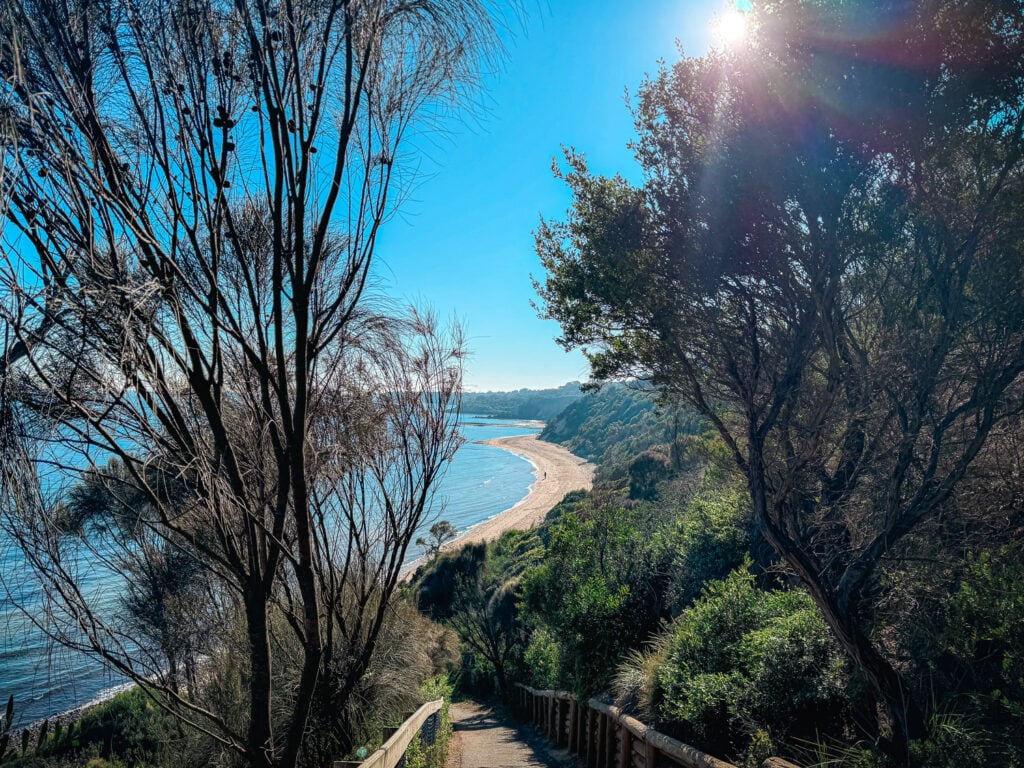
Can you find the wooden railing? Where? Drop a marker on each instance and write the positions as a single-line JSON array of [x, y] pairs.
[[424, 723], [605, 737]]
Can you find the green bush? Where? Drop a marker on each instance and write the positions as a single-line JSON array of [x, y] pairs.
[[646, 471], [436, 755], [977, 667], [743, 660], [711, 540], [599, 590], [543, 659], [134, 729]]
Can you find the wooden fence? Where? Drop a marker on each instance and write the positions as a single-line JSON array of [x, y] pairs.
[[424, 723], [604, 737]]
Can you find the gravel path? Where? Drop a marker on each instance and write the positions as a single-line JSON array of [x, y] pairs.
[[488, 737]]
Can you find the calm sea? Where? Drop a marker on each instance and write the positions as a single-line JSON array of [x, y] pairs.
[[481, 482]]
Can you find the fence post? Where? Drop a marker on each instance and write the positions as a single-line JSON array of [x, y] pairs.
[[563, 726], [428, 733], [625, 746], [650, 755], [591, 741], [609, 741], [573, 730]]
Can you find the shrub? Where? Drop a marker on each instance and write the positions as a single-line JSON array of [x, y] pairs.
[[599, 590], [542, 659], [742, 660], [712, 539], [436, 755], [134, 729], [977, 667], [646, 471]]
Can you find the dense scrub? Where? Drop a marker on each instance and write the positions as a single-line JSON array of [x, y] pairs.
[[655, 590]]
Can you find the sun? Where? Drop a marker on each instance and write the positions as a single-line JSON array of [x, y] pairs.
[[729, 28]]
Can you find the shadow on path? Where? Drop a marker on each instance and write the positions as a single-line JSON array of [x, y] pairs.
[[487, 736]]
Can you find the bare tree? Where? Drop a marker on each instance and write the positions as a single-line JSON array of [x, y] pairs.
[[195, 194]]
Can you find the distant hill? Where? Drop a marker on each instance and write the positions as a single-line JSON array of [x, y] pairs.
[[617, 423], [542, 404]]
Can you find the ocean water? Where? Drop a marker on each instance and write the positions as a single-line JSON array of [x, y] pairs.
[[481, 482]]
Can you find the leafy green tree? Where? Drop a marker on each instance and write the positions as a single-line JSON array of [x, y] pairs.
[[712, 539], [599, 590], [477, 591], [440, 532], [824, 259]]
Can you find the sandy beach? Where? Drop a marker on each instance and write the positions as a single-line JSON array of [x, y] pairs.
[[557, 472]]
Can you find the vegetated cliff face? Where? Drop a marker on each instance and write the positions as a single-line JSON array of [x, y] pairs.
[[538, 404], [618, 421]]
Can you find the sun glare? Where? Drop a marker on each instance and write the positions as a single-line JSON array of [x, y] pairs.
[[729, 28]]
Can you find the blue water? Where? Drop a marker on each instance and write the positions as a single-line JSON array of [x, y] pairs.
[[480, 482]]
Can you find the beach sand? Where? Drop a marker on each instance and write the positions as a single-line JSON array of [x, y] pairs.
[[557, 472]]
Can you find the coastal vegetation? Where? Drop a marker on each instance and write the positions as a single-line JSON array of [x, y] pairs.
[[200, 403], [804, 316], [539, 404], [673, 606]]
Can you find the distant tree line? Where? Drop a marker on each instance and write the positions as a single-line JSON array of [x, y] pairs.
[[538, 404]]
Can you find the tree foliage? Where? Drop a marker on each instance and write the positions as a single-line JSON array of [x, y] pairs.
[[440, 533], [824, 259], [476, 591], [743, 660]]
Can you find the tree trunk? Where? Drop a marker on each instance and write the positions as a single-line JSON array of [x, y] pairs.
[[499, 671], [908, 722], [259, 740]]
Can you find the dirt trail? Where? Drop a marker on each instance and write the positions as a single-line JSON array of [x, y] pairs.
[[488, 737]]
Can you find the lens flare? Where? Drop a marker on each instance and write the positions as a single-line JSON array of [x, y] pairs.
[[729, 29]]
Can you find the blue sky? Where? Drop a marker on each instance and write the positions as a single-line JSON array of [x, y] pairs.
[[462, 242]]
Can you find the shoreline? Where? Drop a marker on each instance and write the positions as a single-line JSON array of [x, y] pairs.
[[556, 472]]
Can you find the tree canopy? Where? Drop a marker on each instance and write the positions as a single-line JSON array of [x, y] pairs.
[[824, 257]]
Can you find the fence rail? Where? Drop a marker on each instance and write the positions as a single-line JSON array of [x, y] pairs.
[[424, 722], [605, 737]]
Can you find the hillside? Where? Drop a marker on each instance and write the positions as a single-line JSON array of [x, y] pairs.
[[539, 404], [617, 422]]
